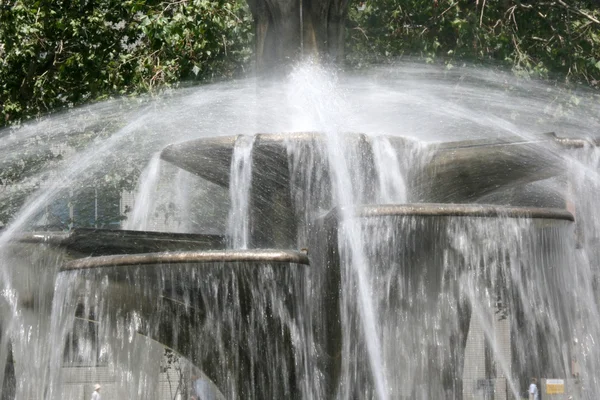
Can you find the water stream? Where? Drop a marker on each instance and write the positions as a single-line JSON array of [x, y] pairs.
[[240, 183], [144, 203]]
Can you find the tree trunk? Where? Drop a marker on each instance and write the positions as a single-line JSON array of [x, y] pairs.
[[289, 30]]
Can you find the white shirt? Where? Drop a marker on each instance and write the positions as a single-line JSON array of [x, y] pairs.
[[96, 395], [532, 390]]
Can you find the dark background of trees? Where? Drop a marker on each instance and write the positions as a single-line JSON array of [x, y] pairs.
[[60, 53]]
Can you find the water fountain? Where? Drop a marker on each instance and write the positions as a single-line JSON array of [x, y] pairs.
[[346, 265]]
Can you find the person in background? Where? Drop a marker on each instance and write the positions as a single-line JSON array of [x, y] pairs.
[[533, 390], [96, 393]]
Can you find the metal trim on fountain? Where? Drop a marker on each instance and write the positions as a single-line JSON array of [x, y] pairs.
[[574, 142], [456, 210], [184, 257]]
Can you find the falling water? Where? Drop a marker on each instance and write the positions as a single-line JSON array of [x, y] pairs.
[[236, 295], [392, 188], [143, 205], [318, 93], [182, 200], [240, 182], [584, 185]]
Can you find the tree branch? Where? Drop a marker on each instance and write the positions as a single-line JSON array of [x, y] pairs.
[[578, 11]]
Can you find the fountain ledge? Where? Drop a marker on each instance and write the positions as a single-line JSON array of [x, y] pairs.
[[453, 210], [182, 257]]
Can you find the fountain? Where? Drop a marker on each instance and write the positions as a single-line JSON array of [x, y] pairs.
[[316, 261]]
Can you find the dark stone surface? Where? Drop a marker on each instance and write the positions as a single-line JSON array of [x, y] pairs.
[[9, 384], [221, 310], [473, 167], [210, 158], [466, 171], [95, 242]]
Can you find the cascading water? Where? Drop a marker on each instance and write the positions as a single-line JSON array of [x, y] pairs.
[[401, 300], [513, 268], [143, 205], [240, 183], [348, 182], [164, 200], [585, 314], [392, 188]]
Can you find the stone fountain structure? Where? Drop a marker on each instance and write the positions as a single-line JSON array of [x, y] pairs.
[[377, 296], [276, 320]]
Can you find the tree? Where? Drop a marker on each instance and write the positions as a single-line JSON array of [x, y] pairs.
[[548, 39], [56, 54]]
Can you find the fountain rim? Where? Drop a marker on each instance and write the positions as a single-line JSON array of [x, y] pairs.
[[184, 257], [452, 210], [281, 137], [59, 237]]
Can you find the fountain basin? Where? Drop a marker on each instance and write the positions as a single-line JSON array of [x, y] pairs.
[[425, 266], [472, 167], [233, 314]]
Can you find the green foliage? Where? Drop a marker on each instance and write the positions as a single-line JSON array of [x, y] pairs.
[[540, 38], [56, 54], [62, 53]]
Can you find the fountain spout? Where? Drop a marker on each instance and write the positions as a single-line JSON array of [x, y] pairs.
[[287, 30]]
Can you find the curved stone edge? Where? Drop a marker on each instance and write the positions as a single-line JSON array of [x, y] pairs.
[[456, 210], [181, 257], [81, 242], [55, 237]]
